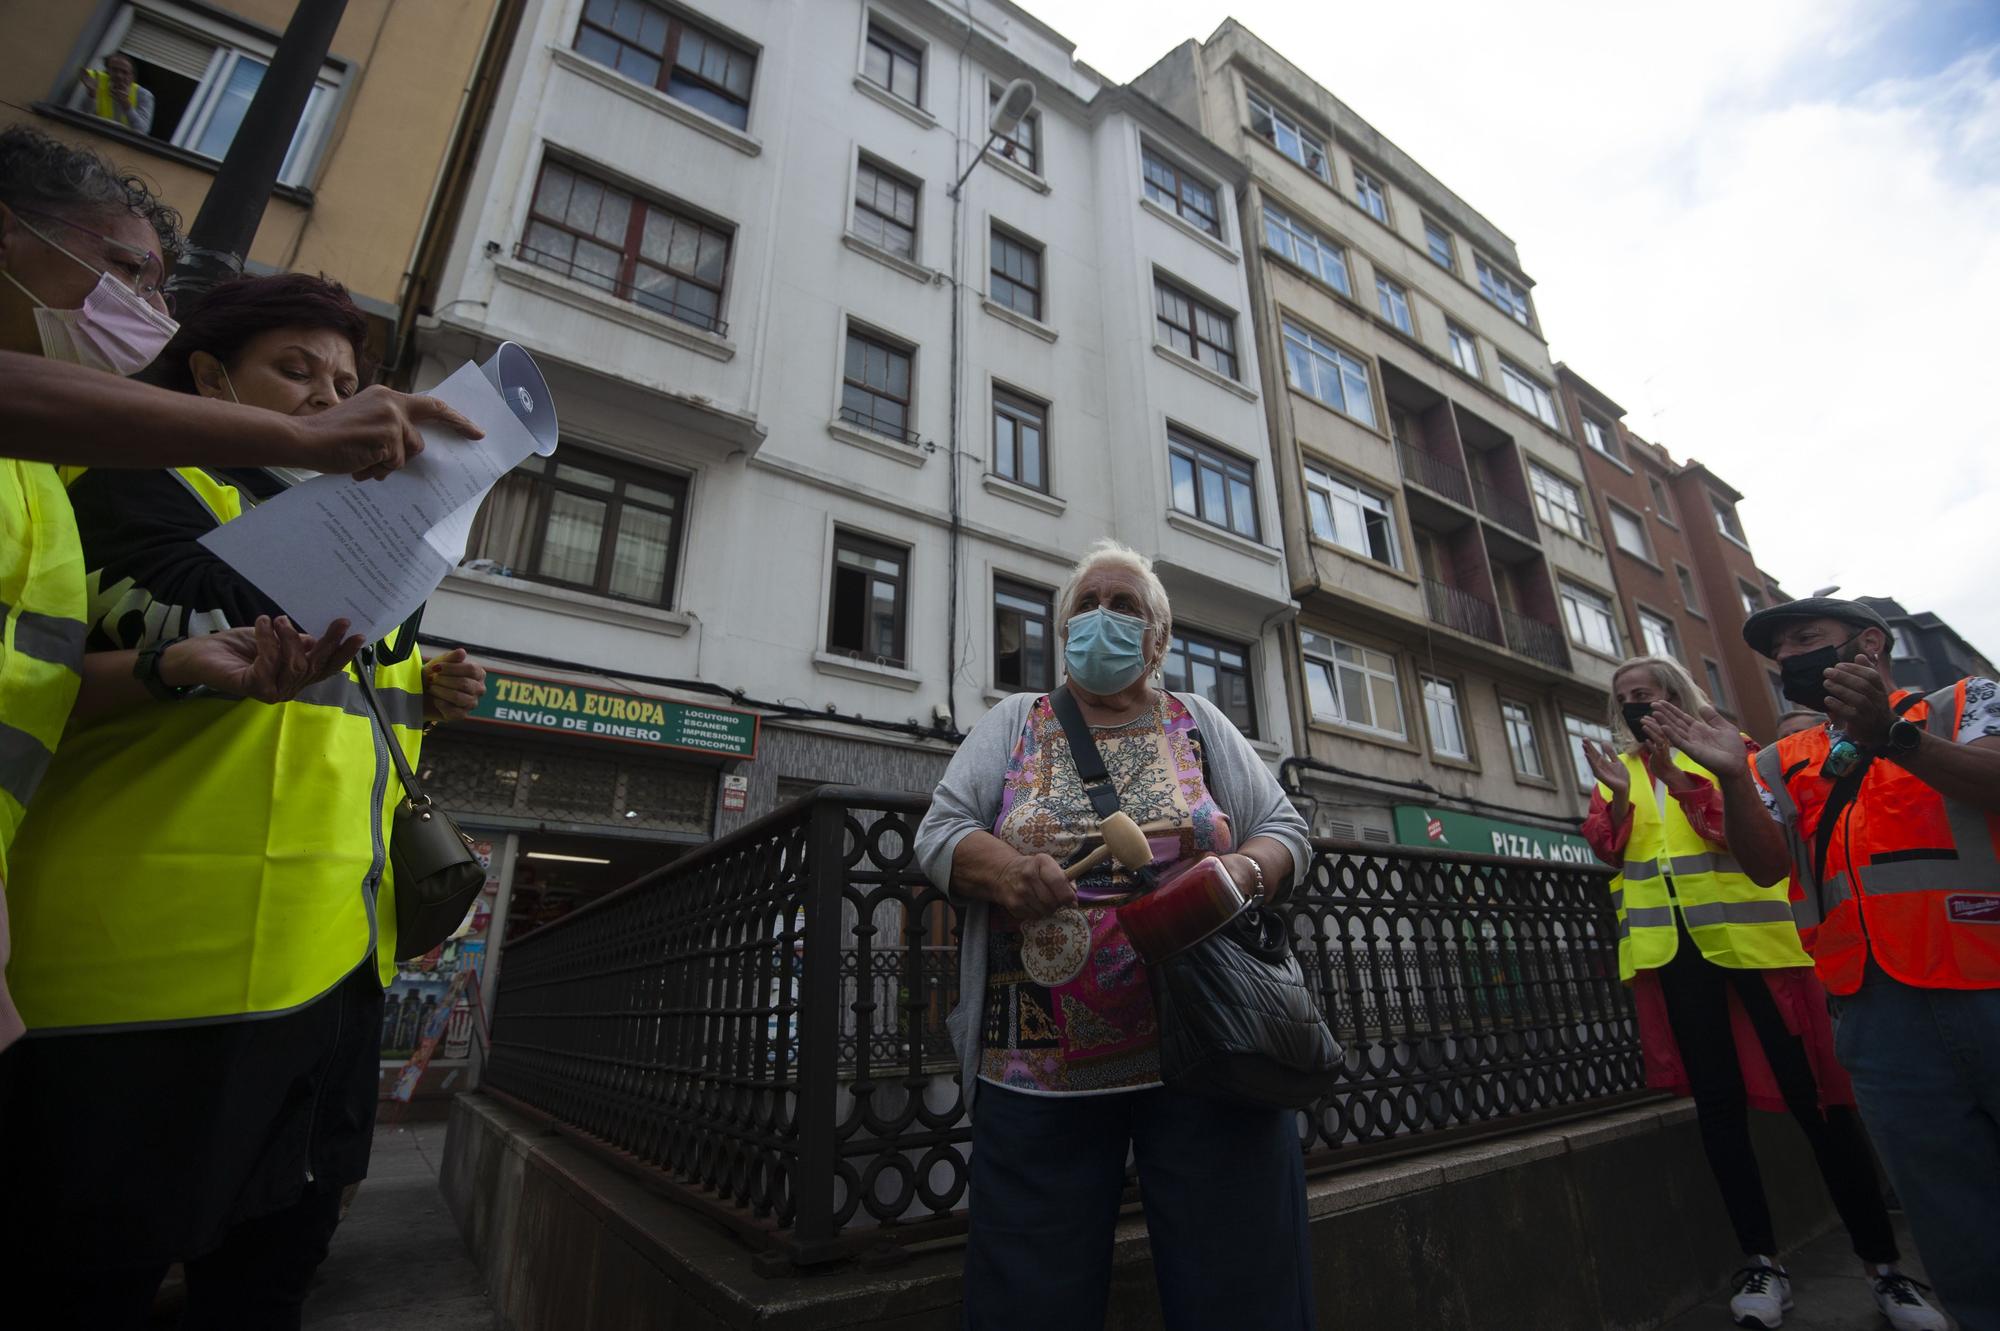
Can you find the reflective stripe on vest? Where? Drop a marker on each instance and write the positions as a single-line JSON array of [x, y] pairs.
[[1927, 907], [210, 859], [41, 648], [1734, 922]]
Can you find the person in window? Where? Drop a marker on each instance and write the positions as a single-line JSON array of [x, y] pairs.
[[1729, 1009], [115, 94], [204, 919], [1056, 1031]]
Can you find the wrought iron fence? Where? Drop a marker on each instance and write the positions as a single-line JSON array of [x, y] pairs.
[[759, 1027]]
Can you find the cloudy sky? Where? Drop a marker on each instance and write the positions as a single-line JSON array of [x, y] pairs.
[[1769, 228]]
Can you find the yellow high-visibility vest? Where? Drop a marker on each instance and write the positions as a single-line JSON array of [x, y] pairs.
[[210, 859], [1736, 923], [41, 652]]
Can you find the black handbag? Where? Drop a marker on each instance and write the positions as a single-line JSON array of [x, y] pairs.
[[1238, 1021], [437, 873]]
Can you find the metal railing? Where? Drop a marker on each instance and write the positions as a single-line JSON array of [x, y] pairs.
[[881, 425], [758, 1028], [1506, 510], [613, 285], [1434, 473], [1463, 611], [1535, 639]]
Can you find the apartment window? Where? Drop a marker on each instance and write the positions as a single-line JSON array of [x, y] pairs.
[[1689, 598], [1661, 640], [1020, 429], [1288, 136], [1464, 350], [1589, 618], [1352, 517], [202, 85], [1578, 730], [1023, 147], [1503, 290], [1557, 502], [1369, 194], [660, 49], [1016, 277], [885, 209], [1218, 670], [1523, 747], [1300, 244], [1906, 646], [1437, 241], [1725, 519], [1753, 600], [586, 523], [1441, 712], [1352, 685], [870, 586], [1716, 691], [1394, 302], [1629, 530], [893, 64], [1528, 393], [1023, 637], [636, 249], [1663, 509], [875, 386], [1170, 186], [1328, 374], [1212, 484], [1601, 437], [1196, 330]]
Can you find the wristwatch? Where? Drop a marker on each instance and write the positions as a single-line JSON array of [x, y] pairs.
[[1904, 736], [147, 671]]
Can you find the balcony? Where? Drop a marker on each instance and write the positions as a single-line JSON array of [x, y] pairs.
[[1463, 611], [1536, 640], [1506, 510], [1434, 474]]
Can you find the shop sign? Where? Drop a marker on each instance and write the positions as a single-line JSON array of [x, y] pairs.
[[576, 709], [1448, 829], [735, 792]]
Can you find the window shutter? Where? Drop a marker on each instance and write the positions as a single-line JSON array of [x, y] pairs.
[[168, 47]]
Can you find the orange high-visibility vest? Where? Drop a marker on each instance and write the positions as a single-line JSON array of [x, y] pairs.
[[1912, 878]]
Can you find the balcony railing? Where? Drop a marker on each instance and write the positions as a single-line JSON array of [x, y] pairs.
[[1535, 639], [1434, 474], [1462, 611], [758, 1028], [1506, 510], [612, 285]]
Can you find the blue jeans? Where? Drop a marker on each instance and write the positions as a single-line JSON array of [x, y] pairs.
[[1926, 1070], [1225, 1197]]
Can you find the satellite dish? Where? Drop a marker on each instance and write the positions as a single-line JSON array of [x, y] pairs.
[[1016, 100]]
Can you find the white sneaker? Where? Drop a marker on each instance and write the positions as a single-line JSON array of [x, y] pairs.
[[1896, 1295], [1763, 1296]]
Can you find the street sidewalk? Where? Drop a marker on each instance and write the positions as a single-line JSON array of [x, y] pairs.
[[1827, 1288], [397, 1262]]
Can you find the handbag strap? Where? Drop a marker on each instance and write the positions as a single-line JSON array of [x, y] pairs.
[[1083, 752], [364, 666]]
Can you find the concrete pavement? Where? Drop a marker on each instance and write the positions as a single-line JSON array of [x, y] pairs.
[[1828, 1289]]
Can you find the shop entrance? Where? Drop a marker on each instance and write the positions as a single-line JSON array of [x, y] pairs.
[[556, 872]]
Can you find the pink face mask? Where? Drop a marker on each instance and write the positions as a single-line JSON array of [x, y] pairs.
[[113, 330]]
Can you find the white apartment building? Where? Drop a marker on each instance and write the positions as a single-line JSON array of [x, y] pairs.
[[831, 436]]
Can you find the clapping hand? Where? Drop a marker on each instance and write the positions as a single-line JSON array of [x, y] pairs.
[[271, 662], [1858, 703], [1710, 740], [1604, 764]]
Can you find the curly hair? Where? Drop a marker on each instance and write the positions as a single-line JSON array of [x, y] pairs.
[[238, 310], [37, 171]]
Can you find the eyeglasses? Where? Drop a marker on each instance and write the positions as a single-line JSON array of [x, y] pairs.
[[142, 270]]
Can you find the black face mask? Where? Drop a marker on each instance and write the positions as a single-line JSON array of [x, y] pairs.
[[1804, 675], [1635, 718]]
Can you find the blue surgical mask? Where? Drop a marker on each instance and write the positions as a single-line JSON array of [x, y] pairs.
[[1104, 650]]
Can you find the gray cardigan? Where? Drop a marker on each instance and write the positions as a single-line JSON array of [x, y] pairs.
[[968, 801]]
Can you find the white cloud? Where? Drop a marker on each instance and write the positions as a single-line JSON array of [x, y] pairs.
[[1780, 262]]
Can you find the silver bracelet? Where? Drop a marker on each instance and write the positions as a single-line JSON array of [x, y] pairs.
[[1258, 870]]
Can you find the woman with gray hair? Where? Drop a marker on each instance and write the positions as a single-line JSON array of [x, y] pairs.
[[1729, 1009], [1056, 1029]]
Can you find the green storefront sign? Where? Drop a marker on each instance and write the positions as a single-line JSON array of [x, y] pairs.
[[575, 709], [1417, 825]]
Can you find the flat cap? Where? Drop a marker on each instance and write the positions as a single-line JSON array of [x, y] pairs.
[[1760, 628]]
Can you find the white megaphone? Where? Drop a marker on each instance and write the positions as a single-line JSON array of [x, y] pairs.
[[515, 376]]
